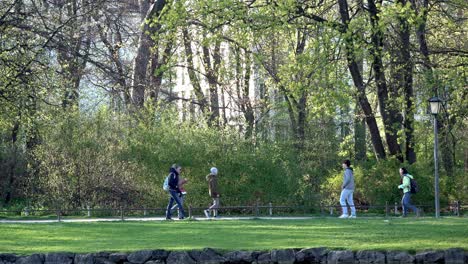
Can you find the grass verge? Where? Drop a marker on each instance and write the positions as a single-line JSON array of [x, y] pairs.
[[412, 235]]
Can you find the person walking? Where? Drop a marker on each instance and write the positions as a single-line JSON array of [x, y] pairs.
[[347, 189], [405, 179], [212, 179], [174, 191]]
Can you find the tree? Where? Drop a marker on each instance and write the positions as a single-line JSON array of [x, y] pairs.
[[358, 81], [142, 59]]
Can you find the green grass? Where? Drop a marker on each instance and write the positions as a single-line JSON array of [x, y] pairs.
[[374, 234]]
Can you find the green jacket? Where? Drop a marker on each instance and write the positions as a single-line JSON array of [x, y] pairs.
[[406, 185]]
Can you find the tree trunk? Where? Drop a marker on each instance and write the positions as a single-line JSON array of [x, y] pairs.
[[447, 141], [194, 80], [243, 71], [119, 76], [359, 135], [391, 118], [140, 66], [405, 80], [9, 187], [78, 42], [157, 74], [249, 112], [360, 148], [211, 70], [358, 82]]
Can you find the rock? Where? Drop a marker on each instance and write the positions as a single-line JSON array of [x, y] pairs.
[[285, 256], [239, 257], [455, 256], [312, 255], [59, 258], [211, 256], [159, 255], [208, 256], [6, 258], [101, 255], [398, 257], [369, 257], [84, 259], [340, 257], [33, 259], [118, 258], [140, 257], [103, 261], [263, 258], [430, 257], [182, 257]]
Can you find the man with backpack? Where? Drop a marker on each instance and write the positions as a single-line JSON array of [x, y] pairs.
[[408, 185], [174, 191]]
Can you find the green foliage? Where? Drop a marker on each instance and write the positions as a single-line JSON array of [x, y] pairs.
[[247, 173], [79, 163], [65, 157], [108, 160], [377, 183]]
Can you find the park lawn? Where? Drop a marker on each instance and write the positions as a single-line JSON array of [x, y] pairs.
[[412, 235]]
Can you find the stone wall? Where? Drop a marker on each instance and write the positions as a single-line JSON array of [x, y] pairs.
[[210, 256]]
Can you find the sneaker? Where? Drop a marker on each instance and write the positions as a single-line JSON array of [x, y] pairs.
[[168, 218], [181, 218], [207, 213], [343, 216], [352, 216]]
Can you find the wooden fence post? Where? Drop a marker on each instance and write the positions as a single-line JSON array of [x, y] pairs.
[[387, 209], [59, 218], [257, 212]]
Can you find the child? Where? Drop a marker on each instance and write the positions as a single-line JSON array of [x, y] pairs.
[[182, 193], [212, 179]]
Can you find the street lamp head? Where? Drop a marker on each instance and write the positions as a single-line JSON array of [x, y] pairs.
[[436, 104]]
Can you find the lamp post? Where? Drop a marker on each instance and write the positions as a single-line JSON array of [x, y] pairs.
[[436, 104]]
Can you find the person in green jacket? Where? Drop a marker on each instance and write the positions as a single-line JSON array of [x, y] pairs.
[[406, 187]]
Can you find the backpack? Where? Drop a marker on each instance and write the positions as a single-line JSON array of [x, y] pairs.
[[413, 186], [166, 183]]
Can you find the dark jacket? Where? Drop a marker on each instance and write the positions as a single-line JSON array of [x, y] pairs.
[[173, 180], [212, 185]]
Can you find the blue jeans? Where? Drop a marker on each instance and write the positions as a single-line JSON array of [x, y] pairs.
[[406, 204], [347, 196], [181, 198], [174, 196]]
